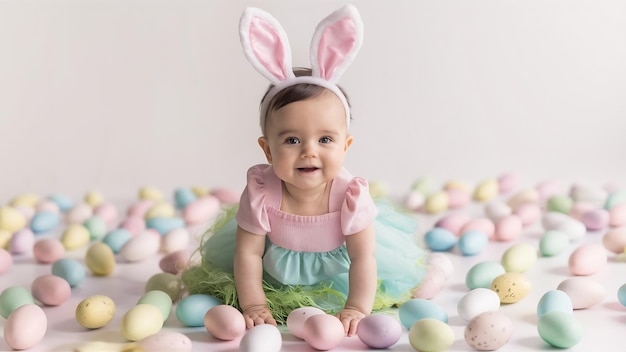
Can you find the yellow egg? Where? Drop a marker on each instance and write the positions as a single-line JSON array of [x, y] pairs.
[[519, 258], [95, 311], [511, 287], [75, 236], [27, 200], [457, 185], [94, 198], [150, 193], [486, 190], [200, 191], [161, 209], [100, 259], [436, 202], [141, 321], [5, 238], [431, 335], [11, 219]]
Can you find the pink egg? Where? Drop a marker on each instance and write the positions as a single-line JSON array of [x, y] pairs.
[[431, 283], [453, 222], [22, 241], [141, 247], [578, 209], [587, 259], [297, 317], [51, 290], [615, 240], [458, 198], [140, 208], [6, 261], [175, 262], [529, 213], [201, 210], [508, 228], [583, 291], [25, 327], [134, 224], [109, 213], [323, 331], [617, 215], [78, 213], [224, 322], [481, 224], [48, 205], [596, 219], [48, 250], [379, 330], [549, 188], [225, 195], [507, 182]]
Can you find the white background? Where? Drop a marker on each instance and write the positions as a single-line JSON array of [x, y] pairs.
[[118, 94]]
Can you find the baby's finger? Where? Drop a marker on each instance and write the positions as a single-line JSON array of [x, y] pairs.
[[352, 328]]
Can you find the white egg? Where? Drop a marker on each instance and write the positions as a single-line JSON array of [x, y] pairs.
[[477, 301], [261, 338]]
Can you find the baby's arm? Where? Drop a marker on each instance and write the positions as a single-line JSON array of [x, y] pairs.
[[249, 250], [361, 248]]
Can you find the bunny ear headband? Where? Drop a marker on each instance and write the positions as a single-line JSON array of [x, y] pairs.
[[335, 43]]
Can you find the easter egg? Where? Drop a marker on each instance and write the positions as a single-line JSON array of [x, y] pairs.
[[183, 196], [51, 290], [472, 242], [226, 196], [553, 242], [511, 287], [488, 331], [431, 283], [171, 341], [6, 261], [22, 241], [25, 199], [621, 295], [477, 301], [69, 269], [175, 262], [482, 274], [95, 312], [133, 224], [297, 317], [140, 208], [191, 309], [507, 182], [44, 221], [75, 236], [519, 258], [441, 261], [560, 329], [11, 219], [430, 335], [63, 201], [436, 202], [559, 203], [458, 198], [419, 308], [141, 247], [150, 193], [12, 298], [48, 250], [552, 220], [160, 300], [116, 239], [440, 239], [615, 240], [617, 215], [160, 209], [96, 226], [141, 321], [78, 213], [529, 213], [93, 198], [554, 300], [481, 224], [175, 240], [166, 282], [497, 209], [530, 195], [583, 291], [453, 222], [379, 330], [614, 199], [486, 190], [587, 259], [201, 210], [25, 327], [414, 200], [508, 228], [108, 212], [549, 188], [596, 219], [224, 322], [164, 225], [261, 338], [100, 259], [323, 331]]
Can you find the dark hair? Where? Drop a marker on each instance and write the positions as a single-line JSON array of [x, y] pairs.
[[297, 92]]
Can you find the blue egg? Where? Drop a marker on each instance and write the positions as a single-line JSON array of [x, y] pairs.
[[191, 310], [472, 242], [164, 225], [420, 308], [554, 300], [64, 202], [621, 294], [183, 196], [69, 269], [116, 239], [439, 239], [44, 221]]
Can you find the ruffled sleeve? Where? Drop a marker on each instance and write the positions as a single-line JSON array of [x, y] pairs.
[[252, 213], [358, 210]]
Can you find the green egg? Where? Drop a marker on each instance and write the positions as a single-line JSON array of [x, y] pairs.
[[560, 329], [159, 299], [553, 242], [431, 335], [560, 203], [166, 282], [12, 298], [482, 274]]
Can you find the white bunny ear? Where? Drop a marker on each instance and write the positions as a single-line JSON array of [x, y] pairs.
[[335, 43], [265, 45]]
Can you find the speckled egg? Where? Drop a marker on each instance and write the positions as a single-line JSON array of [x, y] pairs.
[[488, 331], [95, 312], [511, 287]]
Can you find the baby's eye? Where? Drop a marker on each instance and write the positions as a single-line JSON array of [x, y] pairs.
[[292, 140], [326, 140]]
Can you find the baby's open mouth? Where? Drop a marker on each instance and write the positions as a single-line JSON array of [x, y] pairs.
[[307, 169]]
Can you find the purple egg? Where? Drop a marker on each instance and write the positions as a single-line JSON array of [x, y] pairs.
[[379, 330]]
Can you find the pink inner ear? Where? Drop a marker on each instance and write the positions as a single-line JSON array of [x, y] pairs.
[[267, 47], [335, 44]]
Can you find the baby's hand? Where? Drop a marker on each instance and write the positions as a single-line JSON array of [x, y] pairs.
[[350, 319], [257, 315]]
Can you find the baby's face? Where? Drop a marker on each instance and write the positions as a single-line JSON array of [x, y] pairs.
[[306, 141]]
